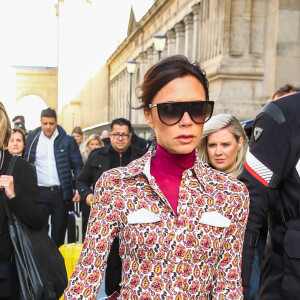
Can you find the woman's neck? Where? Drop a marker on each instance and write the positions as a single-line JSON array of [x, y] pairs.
[[167, 169], [170, 163]]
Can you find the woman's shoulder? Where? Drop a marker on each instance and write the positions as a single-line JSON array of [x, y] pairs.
[[21, 168], [132, 170], [20, 163], [223, 182]]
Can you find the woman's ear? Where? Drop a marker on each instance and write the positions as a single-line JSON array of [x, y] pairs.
[[240, 143], [148, 117]]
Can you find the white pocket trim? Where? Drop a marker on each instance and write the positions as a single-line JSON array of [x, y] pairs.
[[214, 218], [142, 216]]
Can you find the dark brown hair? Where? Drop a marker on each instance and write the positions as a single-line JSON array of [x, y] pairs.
[[284, 90], [165, 71], [23, 138], [49, 113], [77, 130], [121, 122]]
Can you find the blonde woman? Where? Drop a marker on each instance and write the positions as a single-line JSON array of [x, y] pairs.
[[21, 193], [93, 142], [223, 144]]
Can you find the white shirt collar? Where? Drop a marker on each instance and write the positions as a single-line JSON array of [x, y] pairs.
[[53, 136]]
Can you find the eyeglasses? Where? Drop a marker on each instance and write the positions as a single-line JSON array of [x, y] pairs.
[[118, 135], [170, 113]]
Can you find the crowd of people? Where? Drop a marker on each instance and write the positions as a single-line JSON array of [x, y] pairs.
[[197, 212]]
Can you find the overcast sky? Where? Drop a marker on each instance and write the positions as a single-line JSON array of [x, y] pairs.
[[28, 28], [29, 36]]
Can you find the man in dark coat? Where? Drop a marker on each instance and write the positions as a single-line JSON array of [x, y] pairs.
[[57, 159], [118, 153], [272, 176]]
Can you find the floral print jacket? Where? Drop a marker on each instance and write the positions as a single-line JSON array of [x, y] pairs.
[[164, 255]]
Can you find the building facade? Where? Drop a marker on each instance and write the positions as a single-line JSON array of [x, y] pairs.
[[248, 48]]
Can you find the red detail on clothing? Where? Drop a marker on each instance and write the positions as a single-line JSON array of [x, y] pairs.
[[167, 169], [120, 153], [255, 175]]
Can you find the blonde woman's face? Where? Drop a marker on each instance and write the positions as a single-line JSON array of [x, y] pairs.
[[94, 144], [222, 149]]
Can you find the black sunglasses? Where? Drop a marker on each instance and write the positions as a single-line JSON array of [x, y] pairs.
[[170, 113]]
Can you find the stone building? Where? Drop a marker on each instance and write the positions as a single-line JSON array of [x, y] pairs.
[[248, 48]]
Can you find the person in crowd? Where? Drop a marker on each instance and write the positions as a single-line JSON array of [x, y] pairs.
[[21, 126], [57, 159], [140, 143], [94, 141], [78, 135], [180, 223], [285, 90], [17, 142], [118, 153], [19, 122], [223, 144], [105, 137], [271, 174], [18, 118], [21, 193]]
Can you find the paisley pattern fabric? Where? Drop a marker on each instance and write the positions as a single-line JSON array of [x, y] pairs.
[[176, 258]]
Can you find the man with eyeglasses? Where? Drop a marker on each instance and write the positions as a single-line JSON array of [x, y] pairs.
[[119, 153]]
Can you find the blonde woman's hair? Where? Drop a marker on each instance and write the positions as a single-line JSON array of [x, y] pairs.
[[219, 122], [5, 128], [91, 138]]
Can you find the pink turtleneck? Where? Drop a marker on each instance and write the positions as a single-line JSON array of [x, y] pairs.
[[167, 169]]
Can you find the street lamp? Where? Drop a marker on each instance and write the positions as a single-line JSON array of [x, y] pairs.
[[131, 66], [159, 43]]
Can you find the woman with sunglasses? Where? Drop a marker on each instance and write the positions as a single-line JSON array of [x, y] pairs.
[[180, 223]]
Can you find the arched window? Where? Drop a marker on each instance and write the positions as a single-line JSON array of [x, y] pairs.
[[31, 106]]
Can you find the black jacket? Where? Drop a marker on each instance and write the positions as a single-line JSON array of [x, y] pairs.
[[99, 161], [272, 176], [26, 205]]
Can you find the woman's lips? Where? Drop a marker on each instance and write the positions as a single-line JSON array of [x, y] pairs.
[[185, 139], [220, 160]]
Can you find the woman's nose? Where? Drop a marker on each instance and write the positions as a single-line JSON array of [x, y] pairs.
[[186, 119], [218, 150]]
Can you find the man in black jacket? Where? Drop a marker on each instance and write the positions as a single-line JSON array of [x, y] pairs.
[[272, 176], [118, 153]]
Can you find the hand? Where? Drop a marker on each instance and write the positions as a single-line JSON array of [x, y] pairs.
[[89, 199], [7, 183], [76, 197]]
